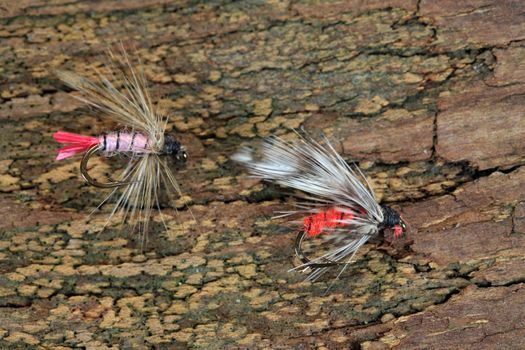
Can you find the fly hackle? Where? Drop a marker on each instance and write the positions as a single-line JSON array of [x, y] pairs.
[[85, 174]]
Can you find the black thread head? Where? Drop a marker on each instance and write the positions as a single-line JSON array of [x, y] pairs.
[[173, 148], [391, 218]]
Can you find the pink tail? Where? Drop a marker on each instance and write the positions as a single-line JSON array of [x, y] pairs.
[[74, 143]]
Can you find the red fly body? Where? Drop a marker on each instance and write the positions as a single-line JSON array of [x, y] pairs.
[[340, 211], [318, 223], [315, 224]]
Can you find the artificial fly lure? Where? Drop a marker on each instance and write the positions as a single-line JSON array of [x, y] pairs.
[[145, 142], [340, 211]]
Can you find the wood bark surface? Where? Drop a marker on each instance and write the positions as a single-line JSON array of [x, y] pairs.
[[427, 96]]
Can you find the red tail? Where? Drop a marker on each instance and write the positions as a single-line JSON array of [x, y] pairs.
[[74, 143]]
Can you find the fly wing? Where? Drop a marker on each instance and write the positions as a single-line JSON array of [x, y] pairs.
[[316, 170], [129, 105]]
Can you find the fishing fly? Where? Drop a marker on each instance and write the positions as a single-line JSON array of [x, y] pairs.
[[340, 212], [144, 140]]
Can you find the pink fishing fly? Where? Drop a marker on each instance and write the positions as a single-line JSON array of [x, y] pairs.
[[339, 209], [145, 142]]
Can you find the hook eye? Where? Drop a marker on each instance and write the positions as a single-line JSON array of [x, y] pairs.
[[307, 262], [182, 156], [88, 178]]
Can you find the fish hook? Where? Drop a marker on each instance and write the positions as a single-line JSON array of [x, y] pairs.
[[88, 178], [307, 262]]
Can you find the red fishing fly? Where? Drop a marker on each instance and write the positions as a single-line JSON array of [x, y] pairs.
[[340, 210]]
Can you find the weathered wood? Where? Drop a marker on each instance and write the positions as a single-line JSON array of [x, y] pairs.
[[427, 96]]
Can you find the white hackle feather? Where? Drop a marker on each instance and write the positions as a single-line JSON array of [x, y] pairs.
[[324, 180], [131, 106]]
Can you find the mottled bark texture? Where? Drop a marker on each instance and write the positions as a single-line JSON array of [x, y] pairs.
[[428, 97]]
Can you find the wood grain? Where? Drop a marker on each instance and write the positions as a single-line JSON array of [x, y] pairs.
[[428, 98]]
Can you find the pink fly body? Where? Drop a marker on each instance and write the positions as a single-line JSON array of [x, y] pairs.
[[114, 142], [124, 142]]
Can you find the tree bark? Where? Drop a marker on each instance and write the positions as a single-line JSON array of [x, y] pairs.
[[427, 97]]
